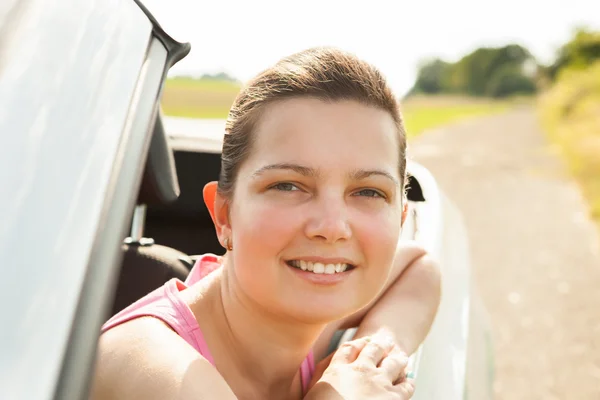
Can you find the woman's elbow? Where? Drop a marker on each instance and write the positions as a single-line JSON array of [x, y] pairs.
[[429, 277]]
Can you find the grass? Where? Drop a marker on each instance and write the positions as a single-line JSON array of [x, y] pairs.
[[192, 98], [570, 113], [421, 114]]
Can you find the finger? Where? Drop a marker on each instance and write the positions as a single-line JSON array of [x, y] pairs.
[[375, 350], [406, 389], [405, 375], [349, 351], [394, 364]]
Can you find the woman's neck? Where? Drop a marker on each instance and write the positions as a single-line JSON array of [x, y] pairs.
[[257, 352]]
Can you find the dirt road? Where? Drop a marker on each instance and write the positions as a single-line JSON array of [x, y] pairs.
[[535, 253]]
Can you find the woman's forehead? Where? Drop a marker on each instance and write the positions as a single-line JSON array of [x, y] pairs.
[[325, 133]]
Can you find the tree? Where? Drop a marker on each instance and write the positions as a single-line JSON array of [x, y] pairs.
[[431, 77], [486, 71], [578, 53], [509, 80], [478, 68]]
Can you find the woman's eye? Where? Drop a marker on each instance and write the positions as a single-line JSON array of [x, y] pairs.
[[285, 187], [369, 193]]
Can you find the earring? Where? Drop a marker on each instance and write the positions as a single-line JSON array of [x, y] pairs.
[[228, 244]]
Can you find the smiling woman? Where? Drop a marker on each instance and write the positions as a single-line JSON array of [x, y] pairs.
[[309, 206], [312, 144]]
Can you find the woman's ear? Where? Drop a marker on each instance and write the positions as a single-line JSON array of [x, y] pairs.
[[209, 193], [218, 207]]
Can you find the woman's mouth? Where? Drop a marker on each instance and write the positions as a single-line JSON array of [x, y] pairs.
[[320, 268]]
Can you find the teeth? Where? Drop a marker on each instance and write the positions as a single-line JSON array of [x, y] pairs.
[[319, 268]]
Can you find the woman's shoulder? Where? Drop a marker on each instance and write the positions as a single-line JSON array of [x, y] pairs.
[[158, 335], [134, 331], [155, 302], [164, 302], [144, 358], [168, 305]]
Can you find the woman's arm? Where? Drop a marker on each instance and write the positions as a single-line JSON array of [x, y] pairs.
[[406, 307], [144, 359]]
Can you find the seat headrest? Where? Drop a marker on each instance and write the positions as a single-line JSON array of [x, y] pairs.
[[160, 185]]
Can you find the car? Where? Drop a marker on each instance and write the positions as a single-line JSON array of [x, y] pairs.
[[102, 201]]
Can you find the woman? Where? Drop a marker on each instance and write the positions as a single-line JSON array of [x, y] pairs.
[[309, 206]]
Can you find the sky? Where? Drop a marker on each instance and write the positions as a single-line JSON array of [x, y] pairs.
[[243, 38]]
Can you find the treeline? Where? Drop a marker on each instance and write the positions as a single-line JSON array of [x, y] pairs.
[[503, 71], [218, 76]]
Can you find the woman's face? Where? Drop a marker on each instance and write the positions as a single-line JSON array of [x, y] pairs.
[[320, 190]]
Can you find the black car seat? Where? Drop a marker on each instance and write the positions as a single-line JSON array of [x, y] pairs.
[[147, 265], [185, 224]]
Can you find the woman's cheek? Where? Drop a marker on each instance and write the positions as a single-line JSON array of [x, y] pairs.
[[378, 231], [378, 237], [267, 222]]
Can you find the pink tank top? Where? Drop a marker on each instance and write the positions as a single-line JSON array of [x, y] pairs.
[[166, 304]]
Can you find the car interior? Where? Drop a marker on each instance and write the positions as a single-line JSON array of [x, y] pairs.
[[171, 223]]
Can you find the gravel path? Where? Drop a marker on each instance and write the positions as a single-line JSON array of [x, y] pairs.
[[535, 253]]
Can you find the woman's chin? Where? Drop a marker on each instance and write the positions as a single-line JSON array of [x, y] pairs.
[[316, 310], [323, 299]]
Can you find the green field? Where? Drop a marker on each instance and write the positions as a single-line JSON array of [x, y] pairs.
[[186, 97], [423, 113]]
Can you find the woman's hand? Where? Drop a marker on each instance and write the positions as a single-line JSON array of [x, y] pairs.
[[365, 368]]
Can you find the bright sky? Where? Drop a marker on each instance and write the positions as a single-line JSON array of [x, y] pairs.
[[244, 37]]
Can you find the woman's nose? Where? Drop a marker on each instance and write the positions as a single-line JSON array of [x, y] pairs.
[[328, 220]]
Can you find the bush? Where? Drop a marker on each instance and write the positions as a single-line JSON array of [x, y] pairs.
[[570, 114]]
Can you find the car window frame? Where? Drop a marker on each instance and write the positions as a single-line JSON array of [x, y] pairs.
[[99, 284]]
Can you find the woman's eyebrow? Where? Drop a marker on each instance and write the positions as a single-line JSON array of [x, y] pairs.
[[306, 171], [365, 173], [313, 173]]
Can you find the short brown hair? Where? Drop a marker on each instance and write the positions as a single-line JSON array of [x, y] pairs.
[[324, 73]]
